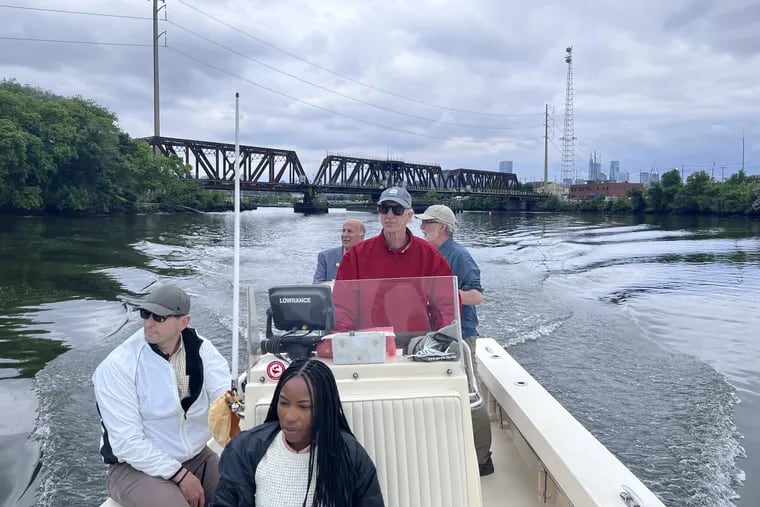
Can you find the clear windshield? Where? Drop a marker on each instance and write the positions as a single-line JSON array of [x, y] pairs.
[[407, 307], [410, 306]]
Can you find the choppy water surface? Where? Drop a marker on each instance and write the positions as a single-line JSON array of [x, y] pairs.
[[646, 332]]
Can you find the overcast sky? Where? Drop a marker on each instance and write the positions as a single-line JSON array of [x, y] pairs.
[[457, 83]]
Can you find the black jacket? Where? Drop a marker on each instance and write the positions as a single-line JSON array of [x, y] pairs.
[[237, 469]]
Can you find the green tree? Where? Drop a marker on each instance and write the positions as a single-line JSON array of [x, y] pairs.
[[552, 203], [68, 155], [431, 196], [671, 185], [622, 205], [655, 197], [595, 204], [735, 195], [697, 195], [19, 178], [756, 197], [636, 198]]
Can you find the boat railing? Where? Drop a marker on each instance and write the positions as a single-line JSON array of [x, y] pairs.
[[570, 462], [476, 397]]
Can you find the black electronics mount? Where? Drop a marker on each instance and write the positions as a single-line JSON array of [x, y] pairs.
[[304, 312]]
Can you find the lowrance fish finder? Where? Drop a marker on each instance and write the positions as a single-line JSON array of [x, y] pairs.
[[303, 312]]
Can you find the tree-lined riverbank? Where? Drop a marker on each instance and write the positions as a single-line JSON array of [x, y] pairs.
[[699, 194], [68, 155]]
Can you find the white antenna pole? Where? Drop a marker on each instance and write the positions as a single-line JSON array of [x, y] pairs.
[[236, 261]]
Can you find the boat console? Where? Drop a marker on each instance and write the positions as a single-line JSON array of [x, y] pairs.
[[412, 416]]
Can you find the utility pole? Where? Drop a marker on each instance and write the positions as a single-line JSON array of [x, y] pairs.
[[546, 149], [156, 103], [722, 173], [742, 150]]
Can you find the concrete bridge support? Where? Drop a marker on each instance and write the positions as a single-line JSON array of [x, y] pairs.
[[310, 204]]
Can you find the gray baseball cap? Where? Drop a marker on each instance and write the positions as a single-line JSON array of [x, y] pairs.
[[398, 195], [440, 213], [167, 300]]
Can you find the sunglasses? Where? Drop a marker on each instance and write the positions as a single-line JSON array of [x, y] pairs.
[[397, 209], [145, 314]]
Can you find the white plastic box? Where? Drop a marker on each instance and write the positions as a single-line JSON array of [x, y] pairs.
[[360, 347]]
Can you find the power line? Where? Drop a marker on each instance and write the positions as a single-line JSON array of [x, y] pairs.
[[61, 41], [348, 78], [350, 117], [444, 122], [330, 111], [83, 13], [343, 95], [554, 145]]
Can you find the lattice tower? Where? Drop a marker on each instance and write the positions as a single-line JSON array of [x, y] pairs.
[[568, 135]]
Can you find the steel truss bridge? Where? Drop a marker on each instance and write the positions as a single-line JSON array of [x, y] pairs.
[[277, 170]]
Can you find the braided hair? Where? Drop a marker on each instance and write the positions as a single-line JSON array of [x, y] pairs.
[[327, 422]]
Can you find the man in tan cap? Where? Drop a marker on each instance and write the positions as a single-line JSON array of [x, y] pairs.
[[153, 394], [438, 226]]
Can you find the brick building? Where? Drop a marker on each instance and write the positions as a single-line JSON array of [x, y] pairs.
[[610, 190]]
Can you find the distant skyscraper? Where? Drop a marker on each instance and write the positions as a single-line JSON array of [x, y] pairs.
[[614, 170], [654, 174], [644, 177], [624, 176], [505, 166], [594, 168]]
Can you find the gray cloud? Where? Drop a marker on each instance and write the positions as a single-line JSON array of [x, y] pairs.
[[656, 83]]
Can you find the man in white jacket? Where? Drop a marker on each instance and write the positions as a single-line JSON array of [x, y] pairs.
[[153, 393]]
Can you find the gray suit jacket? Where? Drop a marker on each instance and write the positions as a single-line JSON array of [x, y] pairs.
[[327, 264]]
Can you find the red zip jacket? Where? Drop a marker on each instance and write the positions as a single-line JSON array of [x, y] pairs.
[[407, 303]]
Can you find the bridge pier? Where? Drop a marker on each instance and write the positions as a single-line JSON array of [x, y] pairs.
[[310, 205], [514, 204]]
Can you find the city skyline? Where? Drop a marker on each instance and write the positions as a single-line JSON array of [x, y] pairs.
[[434, 82], [628, 174]]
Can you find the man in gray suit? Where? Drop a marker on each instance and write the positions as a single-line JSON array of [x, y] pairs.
[[329, 260]]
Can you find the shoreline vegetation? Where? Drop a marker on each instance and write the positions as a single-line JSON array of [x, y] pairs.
[[68, 156], [739, 195]]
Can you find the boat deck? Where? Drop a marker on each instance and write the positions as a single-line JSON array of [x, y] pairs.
[[512, 482]]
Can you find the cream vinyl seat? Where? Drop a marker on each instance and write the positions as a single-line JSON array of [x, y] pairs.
[[414, 421]]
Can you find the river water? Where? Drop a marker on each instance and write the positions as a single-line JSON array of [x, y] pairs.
[[647, 331]]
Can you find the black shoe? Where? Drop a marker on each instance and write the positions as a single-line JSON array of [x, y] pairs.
[[487, 467]]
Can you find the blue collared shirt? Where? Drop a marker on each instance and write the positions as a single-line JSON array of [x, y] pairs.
[[467, 271]]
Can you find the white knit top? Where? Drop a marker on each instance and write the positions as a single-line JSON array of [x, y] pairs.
[[282, 475]]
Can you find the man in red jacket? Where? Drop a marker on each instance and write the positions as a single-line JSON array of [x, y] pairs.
[[410, 304]]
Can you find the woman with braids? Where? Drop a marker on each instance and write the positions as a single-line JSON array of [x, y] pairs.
[[303, 455]]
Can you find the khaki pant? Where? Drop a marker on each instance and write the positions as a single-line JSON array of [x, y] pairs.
[[481, 421], [132, 488]]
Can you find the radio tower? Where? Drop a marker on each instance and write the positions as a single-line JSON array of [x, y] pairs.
[[568, 137]]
